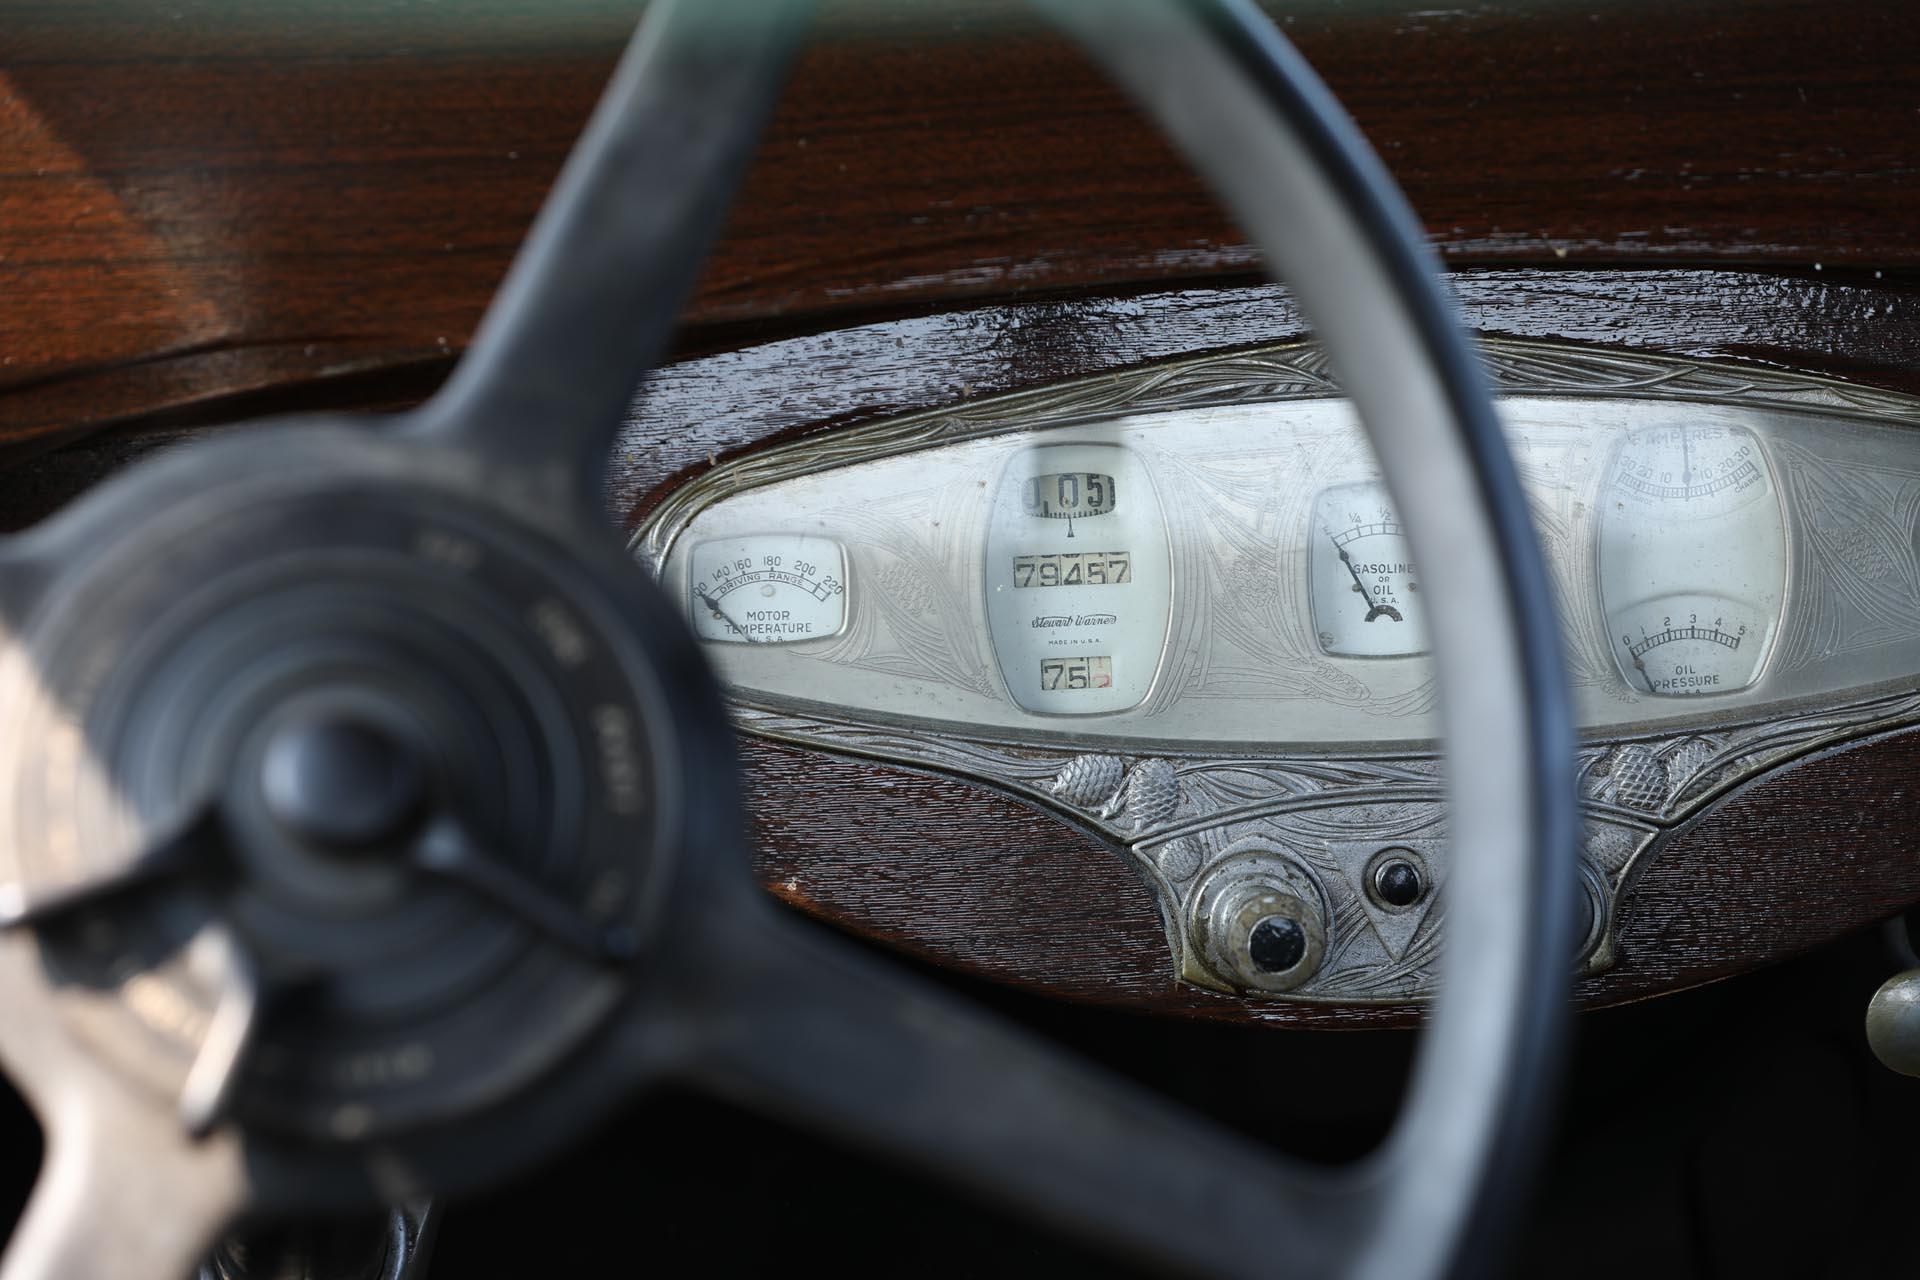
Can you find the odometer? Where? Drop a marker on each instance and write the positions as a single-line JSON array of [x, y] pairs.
[[1093, 672], [1074, 569], [1069, 495]]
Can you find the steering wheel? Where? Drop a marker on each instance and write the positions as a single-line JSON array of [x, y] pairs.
[[371, 825]]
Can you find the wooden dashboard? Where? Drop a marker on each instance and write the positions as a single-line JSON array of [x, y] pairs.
[[204, 218]]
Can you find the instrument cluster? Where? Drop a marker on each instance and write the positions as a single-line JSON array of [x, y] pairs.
[[1238, 573]]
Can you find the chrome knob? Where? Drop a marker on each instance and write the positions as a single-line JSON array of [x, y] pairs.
[[1893, 1023], [1264, 937]]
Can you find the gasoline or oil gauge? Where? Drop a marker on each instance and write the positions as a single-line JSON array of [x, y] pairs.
[[1692, 558], [776, 588], [1078, 579], [1365, 588]]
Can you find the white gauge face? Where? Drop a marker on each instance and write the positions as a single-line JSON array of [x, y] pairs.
[[1078, 579], [1693, 559], [773, 588], [1688, 644], [1366, 591]]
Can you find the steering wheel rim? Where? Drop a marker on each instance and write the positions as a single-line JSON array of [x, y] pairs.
[[1504, 705], [717, 986]]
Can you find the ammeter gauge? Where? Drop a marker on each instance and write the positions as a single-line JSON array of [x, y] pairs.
[[1692, 560], [776, 588]]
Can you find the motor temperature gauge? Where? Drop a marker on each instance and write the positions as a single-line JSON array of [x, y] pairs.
[[1692, 559], [767, 589], [1365, 589]]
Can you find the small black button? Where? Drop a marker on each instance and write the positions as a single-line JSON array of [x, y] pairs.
[[1398, 883], [1277, 943]]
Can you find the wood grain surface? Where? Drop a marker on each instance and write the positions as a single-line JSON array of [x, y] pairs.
[[199, 201], [705, 408]]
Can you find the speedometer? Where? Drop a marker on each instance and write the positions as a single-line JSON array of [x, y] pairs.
[[1078, 579]]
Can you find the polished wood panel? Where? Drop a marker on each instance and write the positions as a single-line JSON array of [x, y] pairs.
[[1791, 860], [203, 201]]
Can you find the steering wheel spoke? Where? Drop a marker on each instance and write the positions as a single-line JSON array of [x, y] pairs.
[[789, 1020], [193, 848], [125, 1192], [450, 851], [595, 293]]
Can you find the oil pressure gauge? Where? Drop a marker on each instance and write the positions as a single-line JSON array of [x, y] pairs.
[[776, 588], [1692, 559]]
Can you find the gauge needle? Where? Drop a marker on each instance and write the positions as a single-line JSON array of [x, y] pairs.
[[1686, 459], [1373, 610], [721, 614]]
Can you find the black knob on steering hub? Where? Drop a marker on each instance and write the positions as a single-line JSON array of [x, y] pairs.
[[342, 783]]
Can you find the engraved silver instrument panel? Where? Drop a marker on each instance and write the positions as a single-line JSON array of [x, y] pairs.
[[1176, 604]]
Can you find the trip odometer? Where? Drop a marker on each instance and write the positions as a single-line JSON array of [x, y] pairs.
[[768, 589], [1692, 559]]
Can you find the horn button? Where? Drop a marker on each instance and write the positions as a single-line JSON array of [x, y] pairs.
[[256, 749]]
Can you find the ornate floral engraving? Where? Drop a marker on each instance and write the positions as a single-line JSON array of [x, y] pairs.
[[1858, 527], [1289, 372], [1175, 814], [918, 626]]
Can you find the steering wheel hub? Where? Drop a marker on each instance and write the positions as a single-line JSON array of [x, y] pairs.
[[285, 714], [342, 783]]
